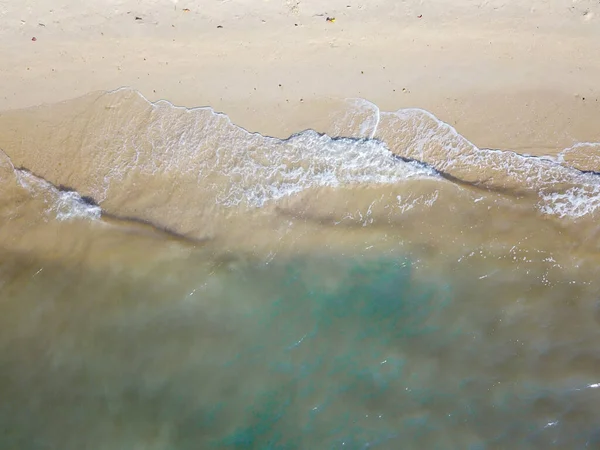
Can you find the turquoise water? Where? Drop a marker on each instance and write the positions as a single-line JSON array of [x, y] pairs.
[[332, 348], [313, 352], [367, 355]]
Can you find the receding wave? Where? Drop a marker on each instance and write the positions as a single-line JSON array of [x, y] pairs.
[[61, 204], [564, 185], [176, 167]]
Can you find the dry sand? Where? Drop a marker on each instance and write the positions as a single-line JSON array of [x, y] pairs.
[[508, 74]]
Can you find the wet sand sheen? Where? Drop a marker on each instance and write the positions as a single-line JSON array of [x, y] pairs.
[[327, 294]]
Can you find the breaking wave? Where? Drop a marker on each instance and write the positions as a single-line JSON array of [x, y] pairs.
[[61, 204], [175, 166], [566, 185]]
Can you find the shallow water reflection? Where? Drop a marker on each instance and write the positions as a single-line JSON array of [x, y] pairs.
[[311, 352]]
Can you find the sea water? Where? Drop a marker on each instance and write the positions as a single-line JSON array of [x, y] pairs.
[[170, 281], [308, 352]]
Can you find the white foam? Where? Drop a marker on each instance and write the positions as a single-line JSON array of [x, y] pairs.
[[563, 190], [236, 167], [61, 205], [311, 160], [243, 168], [575, 202], [69, 205], [410, 201], [360, 120], [228, 163]]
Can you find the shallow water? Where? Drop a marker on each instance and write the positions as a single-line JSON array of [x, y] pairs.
[[171, 281]]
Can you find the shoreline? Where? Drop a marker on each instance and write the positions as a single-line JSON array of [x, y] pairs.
[[504, 79]]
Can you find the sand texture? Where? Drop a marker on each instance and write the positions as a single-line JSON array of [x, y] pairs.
[[519, 75]]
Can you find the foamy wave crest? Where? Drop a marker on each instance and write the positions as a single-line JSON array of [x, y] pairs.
[[133, 142], [563, 189], [188, 170], [575, 202], [61, 205], [259, 169], [584, 156], [410, 200], [305, 161]]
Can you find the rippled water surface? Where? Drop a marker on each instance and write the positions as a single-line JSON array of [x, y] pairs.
[[170, 281], [312, 352]]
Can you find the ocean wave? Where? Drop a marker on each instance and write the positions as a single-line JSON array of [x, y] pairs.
[[247, 168], [565, 185], [60, 204], [174, 166], [584, 156]]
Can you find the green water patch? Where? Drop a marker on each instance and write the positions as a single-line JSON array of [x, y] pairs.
[[329, 347], [305, 353], [361, 353]]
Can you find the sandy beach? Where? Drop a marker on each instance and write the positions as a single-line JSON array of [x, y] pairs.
[[506, 74], [294, 224]]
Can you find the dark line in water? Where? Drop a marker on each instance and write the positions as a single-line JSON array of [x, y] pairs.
[[471, 184], [447, 176], [477, 185], [545, 158], [88, 200], [155, 228]]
